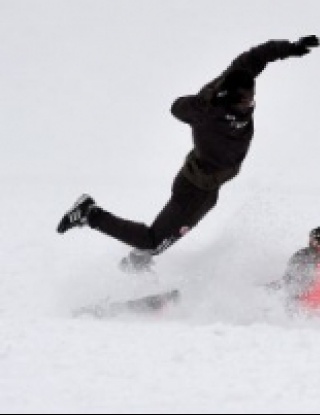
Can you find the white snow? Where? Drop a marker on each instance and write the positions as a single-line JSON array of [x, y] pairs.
[[86, 87]]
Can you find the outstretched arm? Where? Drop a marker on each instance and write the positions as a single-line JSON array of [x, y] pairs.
[[190, 109], [256, 59]]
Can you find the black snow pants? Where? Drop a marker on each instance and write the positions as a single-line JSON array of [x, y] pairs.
[[187, 206]]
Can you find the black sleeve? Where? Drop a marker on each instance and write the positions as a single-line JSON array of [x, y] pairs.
[[189, 109], [257, 58], [255, 61]]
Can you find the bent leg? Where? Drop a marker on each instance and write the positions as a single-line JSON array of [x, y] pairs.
[[187, 205]]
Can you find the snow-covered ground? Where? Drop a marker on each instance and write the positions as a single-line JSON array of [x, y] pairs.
[[86, 87]]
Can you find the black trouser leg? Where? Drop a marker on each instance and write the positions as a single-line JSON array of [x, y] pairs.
[[137, 235], [186, 207]]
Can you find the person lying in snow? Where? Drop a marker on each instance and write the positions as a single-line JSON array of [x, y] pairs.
[[301, 280], [221, 119]]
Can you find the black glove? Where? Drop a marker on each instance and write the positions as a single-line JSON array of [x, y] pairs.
[[303, 45]]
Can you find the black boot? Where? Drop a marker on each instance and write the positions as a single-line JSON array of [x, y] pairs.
[[77, 216]]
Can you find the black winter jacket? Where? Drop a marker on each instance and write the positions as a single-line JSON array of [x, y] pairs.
[[222, 136]]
